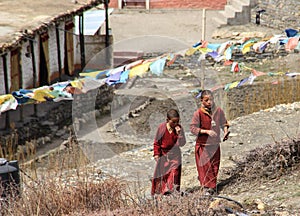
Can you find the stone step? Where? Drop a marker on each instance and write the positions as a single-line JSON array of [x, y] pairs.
[[125, 57], [235, 9], [239, 2], [220, 21], [128, 53], [135, 4], [118, 61]]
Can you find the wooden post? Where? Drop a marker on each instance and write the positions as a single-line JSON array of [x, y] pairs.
[[120, 4], [107, 33], [81, 40], [106, 24], [203, 23], [201, 71], [58, 53], [34, 78], [202, 62], [5, 70]]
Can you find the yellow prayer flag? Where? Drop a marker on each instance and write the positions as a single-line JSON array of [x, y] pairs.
[[139, 70], [6, 97], [190, 51], [90, 74], [78, 83], [41, 95], [247, 48]]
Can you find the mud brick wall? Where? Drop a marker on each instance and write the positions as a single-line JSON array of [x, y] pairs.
[[181, 4], [191, 4]]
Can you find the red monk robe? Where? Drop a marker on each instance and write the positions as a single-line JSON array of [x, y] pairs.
[[167, 173], [207, 149]]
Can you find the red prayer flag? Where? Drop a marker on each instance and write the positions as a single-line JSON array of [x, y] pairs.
[[204, 44], [227, 63], [257, 73], [172, 60], [291, 44]]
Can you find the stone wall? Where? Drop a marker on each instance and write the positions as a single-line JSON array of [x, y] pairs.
[[247, 99], [279, 14], [45, 121]]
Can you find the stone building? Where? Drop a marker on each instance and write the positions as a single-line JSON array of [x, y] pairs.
[[44, 42], [227, 12]]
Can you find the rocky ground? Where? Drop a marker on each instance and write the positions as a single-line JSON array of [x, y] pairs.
[[122, 143], [120, 152], [280, 193]]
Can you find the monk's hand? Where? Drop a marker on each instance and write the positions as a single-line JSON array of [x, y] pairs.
[[211, 133], [226, 135], [156, 157], [178, 129]]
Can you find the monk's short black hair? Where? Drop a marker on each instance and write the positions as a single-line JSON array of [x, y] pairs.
[[172, 113], [206, 92]]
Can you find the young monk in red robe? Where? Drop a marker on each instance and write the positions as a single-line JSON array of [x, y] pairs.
[[167, 154], [206, 124]]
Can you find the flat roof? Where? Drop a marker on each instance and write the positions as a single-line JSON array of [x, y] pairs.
[[16, 16]]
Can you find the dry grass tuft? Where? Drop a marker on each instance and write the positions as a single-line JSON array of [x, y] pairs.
[[56, 197]]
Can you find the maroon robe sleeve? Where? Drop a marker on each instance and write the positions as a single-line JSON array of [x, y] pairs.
[[181, 138], [195, 124], [157, 139]]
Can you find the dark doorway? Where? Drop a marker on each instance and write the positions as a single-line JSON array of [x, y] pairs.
[[43, 72]]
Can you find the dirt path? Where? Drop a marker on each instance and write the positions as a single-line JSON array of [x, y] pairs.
[[185, 25]]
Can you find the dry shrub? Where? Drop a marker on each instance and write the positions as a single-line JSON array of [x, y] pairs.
[[175, 204], [270, 161], [56, 197], [9, 144], [110, 197], [63, 185]]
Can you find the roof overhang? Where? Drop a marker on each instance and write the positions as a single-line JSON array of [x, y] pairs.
[[15, 37]]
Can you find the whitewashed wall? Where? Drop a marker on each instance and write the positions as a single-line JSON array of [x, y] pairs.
[[77, 58], [53, 55], [36, 49], [2, 81], [62, 43], [26, 62], [8, 70]]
